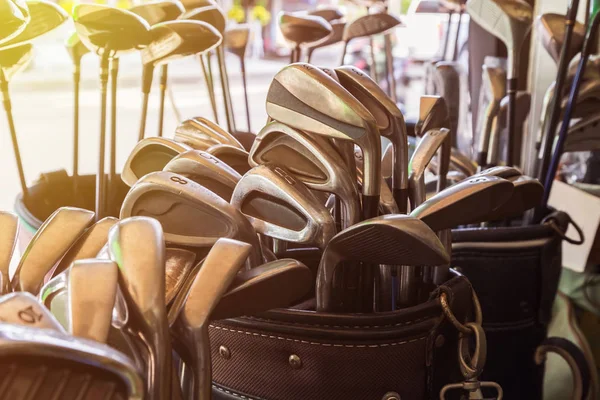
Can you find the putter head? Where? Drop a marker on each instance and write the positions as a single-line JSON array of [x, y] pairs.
[[108, 29], [301, 29], [80, 367], [236, 39], [527, 193], [24, 309], [328, 13], [150, 155], [88, 245], [233, 156], [550, 28], [15, 59], [467, 202], [51, 241], [75, 48], [369, 25], [178, 265], [9, 233], [206, 170], [45, 17], [200, 133], [172, 40], [389, 239], [508, 20], [14, 20], [212, 15], [300, 217], [336, 36], [433, 114], [276, 284], [334, 113], [90, 305], [137, 246], [311, 159], [174, 201], [156, 11]]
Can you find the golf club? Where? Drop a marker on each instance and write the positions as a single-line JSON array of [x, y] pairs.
[[302, 29], [233, 156], [9, 232]]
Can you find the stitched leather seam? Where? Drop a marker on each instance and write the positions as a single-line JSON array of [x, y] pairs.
[[362, 346], [231, 393], [341, 326]]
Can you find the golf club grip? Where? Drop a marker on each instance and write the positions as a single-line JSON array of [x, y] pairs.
[[511, 91], [370, 206]]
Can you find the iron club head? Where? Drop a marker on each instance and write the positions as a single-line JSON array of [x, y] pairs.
[[9, 231], [233, 156]]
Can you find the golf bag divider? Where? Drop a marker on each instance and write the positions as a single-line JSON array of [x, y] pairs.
[[515, 273], [301, 354]]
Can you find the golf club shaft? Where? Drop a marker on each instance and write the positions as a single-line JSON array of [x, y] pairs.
[[447, 35], [344, 50], [225, 85], [511, 92], [114, 72], [373, 63], [100, 177], [209, 86], [13, 134], [389, 58], [245, 85], [76, 80], [164, 71], [456, 37], [142, 132]]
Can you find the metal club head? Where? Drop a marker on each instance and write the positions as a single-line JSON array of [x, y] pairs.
[[157, 11], [45, 17], [276, 284], [526, 194], [502, 171], [462, 163], [333, 113], [389, 119], [191, 215], [523, 104], [172, 40], [508, 20], [447, 80], [494, 82], [14, 20], [91, 292], [387, 203], [467, 202], [233, 156], [200, 133], [236, 39], [9, 232], [108, 29], [583, 135], [46, 364], [53, 295], [137, 246], [430, 143], [190, 329], [178, 265], [300, 29], [75, 48], [433, 114], [280, 206], [193, 4], [150, 155], [370, 24], [389, 239], [15, 60], [206, 170], [550, 28], [51, 241], [88, 245], [23, 308], [311, 159], [212, 15], [328, 14]]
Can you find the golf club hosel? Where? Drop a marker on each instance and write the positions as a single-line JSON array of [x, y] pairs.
[[372, 160], [325, 281]]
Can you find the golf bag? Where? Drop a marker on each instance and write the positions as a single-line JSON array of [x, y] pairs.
[[515, 272], [298, 354]]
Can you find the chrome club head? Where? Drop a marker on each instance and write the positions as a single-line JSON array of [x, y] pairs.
[[201, 133], [88, 245], [52, 240], [527, 193], [9, 231], [388, 239], [299, 218], [235, 157], [150, 155], [311, 159], [302, 29], [502, 171], [157, 11], [430, 142], [523, 105], [190, 329], [45, 17], [91, 292], [174, 201], [24, 309], [53, 295], [276, 284], [178, 265], [14, 20], [494, 82], [333, 113], [206, 170], [137, 246], [390, 123], [236, 39]]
